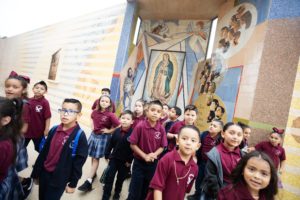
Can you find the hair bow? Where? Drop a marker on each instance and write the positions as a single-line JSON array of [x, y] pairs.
[[14, 74], [277, 130]]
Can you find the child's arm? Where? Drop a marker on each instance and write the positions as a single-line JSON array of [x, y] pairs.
[[171, 136], [143, 155], [109, 131], [47, 125], [110, 145], [156, 153], [157, 195], [282, 167]]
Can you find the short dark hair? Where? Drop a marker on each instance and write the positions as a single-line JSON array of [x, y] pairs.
[[236, 175], [105, 90], [177, 110], [220, 122], [127, 112], [164, 104], [191, 107], [156, 102], [228, 124], [43, 83], [75, 101], [244, 126], [191, 127]]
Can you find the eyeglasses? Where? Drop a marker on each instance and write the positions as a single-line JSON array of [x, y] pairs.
[[67, 112]]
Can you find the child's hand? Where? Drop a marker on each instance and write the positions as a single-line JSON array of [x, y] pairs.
[[127, 164], [105, 130], [153, 155], [46, 133], [250, 149], [70, 190], [281, 171], [148, 158]]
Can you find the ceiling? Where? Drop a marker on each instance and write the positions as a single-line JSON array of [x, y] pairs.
[[178, 9]]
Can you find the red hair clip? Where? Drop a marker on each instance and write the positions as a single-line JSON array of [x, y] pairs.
[[14, 74], [279, 131]]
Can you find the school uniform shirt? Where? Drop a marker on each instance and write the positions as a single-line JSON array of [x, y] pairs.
[[174, 130], [148, 138], [39, 113], [68, 169], [6, 157], [162, 120], [103, 120], [237, 192], [207, 144], [137, 120], [113, 106], [59, 139], [120, 145], [169, 124], [229, 160], [165, 178], [277, 154]]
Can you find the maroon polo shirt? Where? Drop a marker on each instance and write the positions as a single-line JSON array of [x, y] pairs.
[[229, 160], [148, 138], [137, 120], [162, 120], [6, 157], [97, 103], [57, 143], [165, 179], [206, 145], [237, 192], [39, 113], [103, 120], [174, 130], [277, 154]]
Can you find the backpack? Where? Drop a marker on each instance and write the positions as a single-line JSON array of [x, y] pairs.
[[53, 130]]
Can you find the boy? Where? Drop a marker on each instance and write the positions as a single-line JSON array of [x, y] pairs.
[[165, 113], [177, 171], [174, 113], [104, 91], [39, 115], [190, 116], [59, 166], [120, 158], [148, 140]]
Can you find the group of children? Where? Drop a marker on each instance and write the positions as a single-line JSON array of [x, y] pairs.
[[166, 155]]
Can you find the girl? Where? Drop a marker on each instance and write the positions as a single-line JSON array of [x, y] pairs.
[[105, 123], [177, 170], [222, 159], [10, 132], [246, 136], [254, 178], [138, 112]]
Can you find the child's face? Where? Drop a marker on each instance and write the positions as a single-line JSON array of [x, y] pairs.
[[257, 174], [215, 127], [154, 112], [126, 121], [275, 139], [39, 90], [104, 102], [69, 114], [247, 133], [13, 88], [188, 141], [105, 93], [190, 117], [172, 114], [165, 110], [232, 136], [138, 108]]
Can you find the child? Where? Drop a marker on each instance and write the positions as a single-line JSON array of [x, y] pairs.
[[174, 113], [10, 133], [222, 159], [190, 116], [138, 112], [246, 136], [120, 158], [209, 139], [104, 91], [148, 140], [253, 178], [104, 122], [165, 114], [58, 166], [39, 115], [176, 171]]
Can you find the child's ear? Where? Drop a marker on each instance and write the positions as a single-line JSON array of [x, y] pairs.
[[5, 120]]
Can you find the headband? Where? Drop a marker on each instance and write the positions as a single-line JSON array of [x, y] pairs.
[[15, 75], [278, 131]]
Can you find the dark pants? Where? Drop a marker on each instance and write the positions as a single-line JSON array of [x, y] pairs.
[[114, 167], [201, 165], [142, 173], [36, 142], [46, 190]]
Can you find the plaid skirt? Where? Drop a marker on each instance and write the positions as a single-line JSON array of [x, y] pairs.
[[97, 144]]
